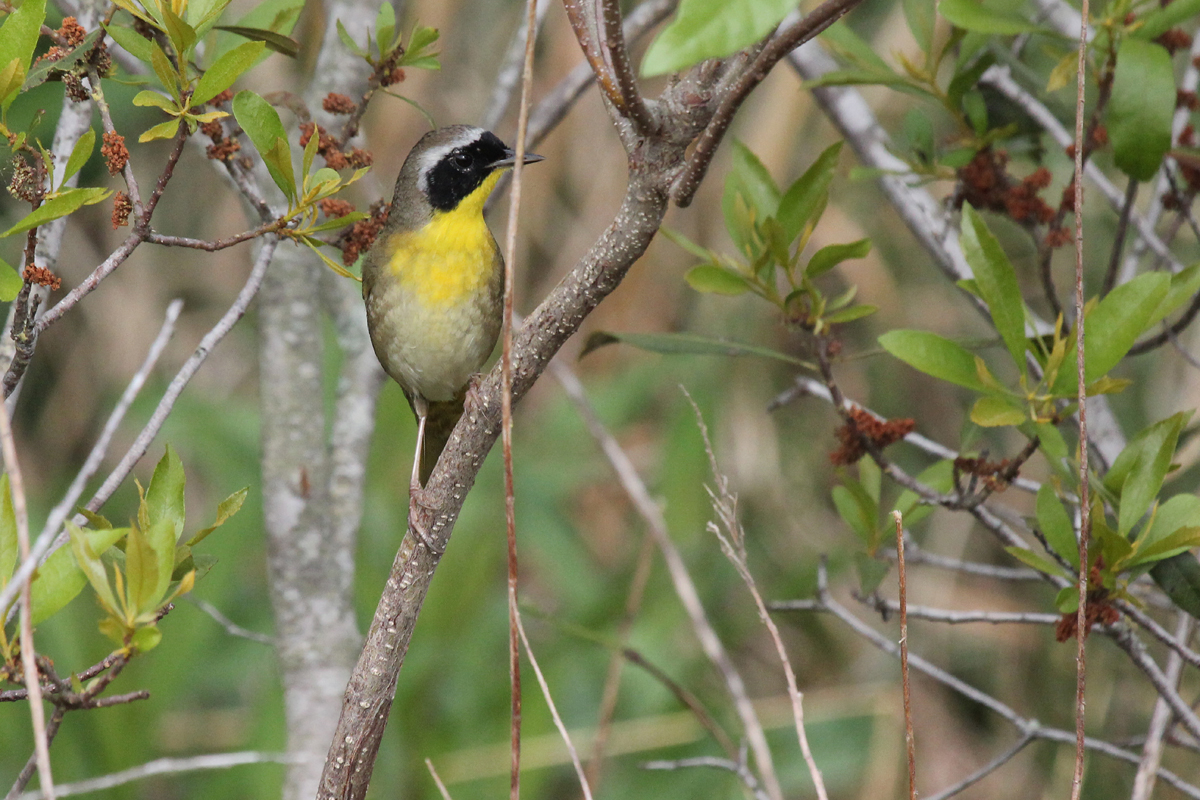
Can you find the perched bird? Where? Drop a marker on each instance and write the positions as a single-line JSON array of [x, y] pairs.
[[433, 281]]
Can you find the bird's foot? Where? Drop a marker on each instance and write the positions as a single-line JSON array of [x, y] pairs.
[[420, 510], [474, 396]]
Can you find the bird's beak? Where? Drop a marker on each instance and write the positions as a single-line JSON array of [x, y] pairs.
[[510, 159]]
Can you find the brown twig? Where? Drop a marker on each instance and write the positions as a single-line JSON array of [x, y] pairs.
[[515, 632], [33, 686], [612, 43], [909, 742], [1114, 260]]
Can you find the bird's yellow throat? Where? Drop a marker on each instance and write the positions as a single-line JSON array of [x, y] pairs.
[[452, 257]]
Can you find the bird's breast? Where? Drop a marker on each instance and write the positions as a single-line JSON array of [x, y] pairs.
[[444, 264]]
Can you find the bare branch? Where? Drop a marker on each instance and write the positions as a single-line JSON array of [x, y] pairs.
[[779, 46], [987, 769], [33, 686], [166, 766], [231, 627], [1152, 750], [558, 723], [1027, 727], [739, 768]]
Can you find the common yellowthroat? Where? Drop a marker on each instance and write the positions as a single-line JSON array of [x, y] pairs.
[[433, 281]]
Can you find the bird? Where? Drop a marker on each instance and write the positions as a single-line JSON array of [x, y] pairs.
[[433, 280]]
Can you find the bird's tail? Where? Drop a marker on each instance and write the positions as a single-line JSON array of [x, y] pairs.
[[443, 416]]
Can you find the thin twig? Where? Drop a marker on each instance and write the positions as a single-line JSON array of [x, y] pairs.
[[887, 607], [437, 780], [739, 768], [28, 654], [506, 400], [512, 67], [1114, 261], [685, 589], [612, 45], [1084, 505], [166, 766], [1025, 725], [558, 723], [231, 627], [1152, 749], [909, 742], [987, 769], [733, 545]]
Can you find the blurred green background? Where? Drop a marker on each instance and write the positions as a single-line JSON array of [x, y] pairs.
[[579, 536]]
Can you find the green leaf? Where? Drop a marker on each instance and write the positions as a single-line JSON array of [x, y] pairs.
[[134, 43], [315, 244], [1056, 525], [88, 560], [1140, 108], [149, 99], [971, 15], [67, 202], [850, 314], [41, 71], [856, 510], [227, 69], [161, 538], [349, 42], [1172, 544], [844, 41], [59, 580], [262, 124], [141, 571], [1181, 511], [994, 411], [1067, 599], [146, 638], [966, 79], [753, 182], [1184, 285], [939, 477], [1161, 20], [165, 70], [18, 38], [202, 14], [997, 283], [339, 222], [1179, 577], [226, 509], [1153, 434], [803, 198], [10, 282], [1137, 477], [1032, 559], [830, 256], [164, 496], [80, 154], [385, 27], [934, 356], [182, 35], [163, 130], [278, 42], [712, 279], [919, 14], [685, 344], [8, 536], [12, 76], [1112, 327], [871, 572], [711, 29], [417, 53]]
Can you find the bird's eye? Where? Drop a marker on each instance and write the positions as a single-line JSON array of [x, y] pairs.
[[461, 160]]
